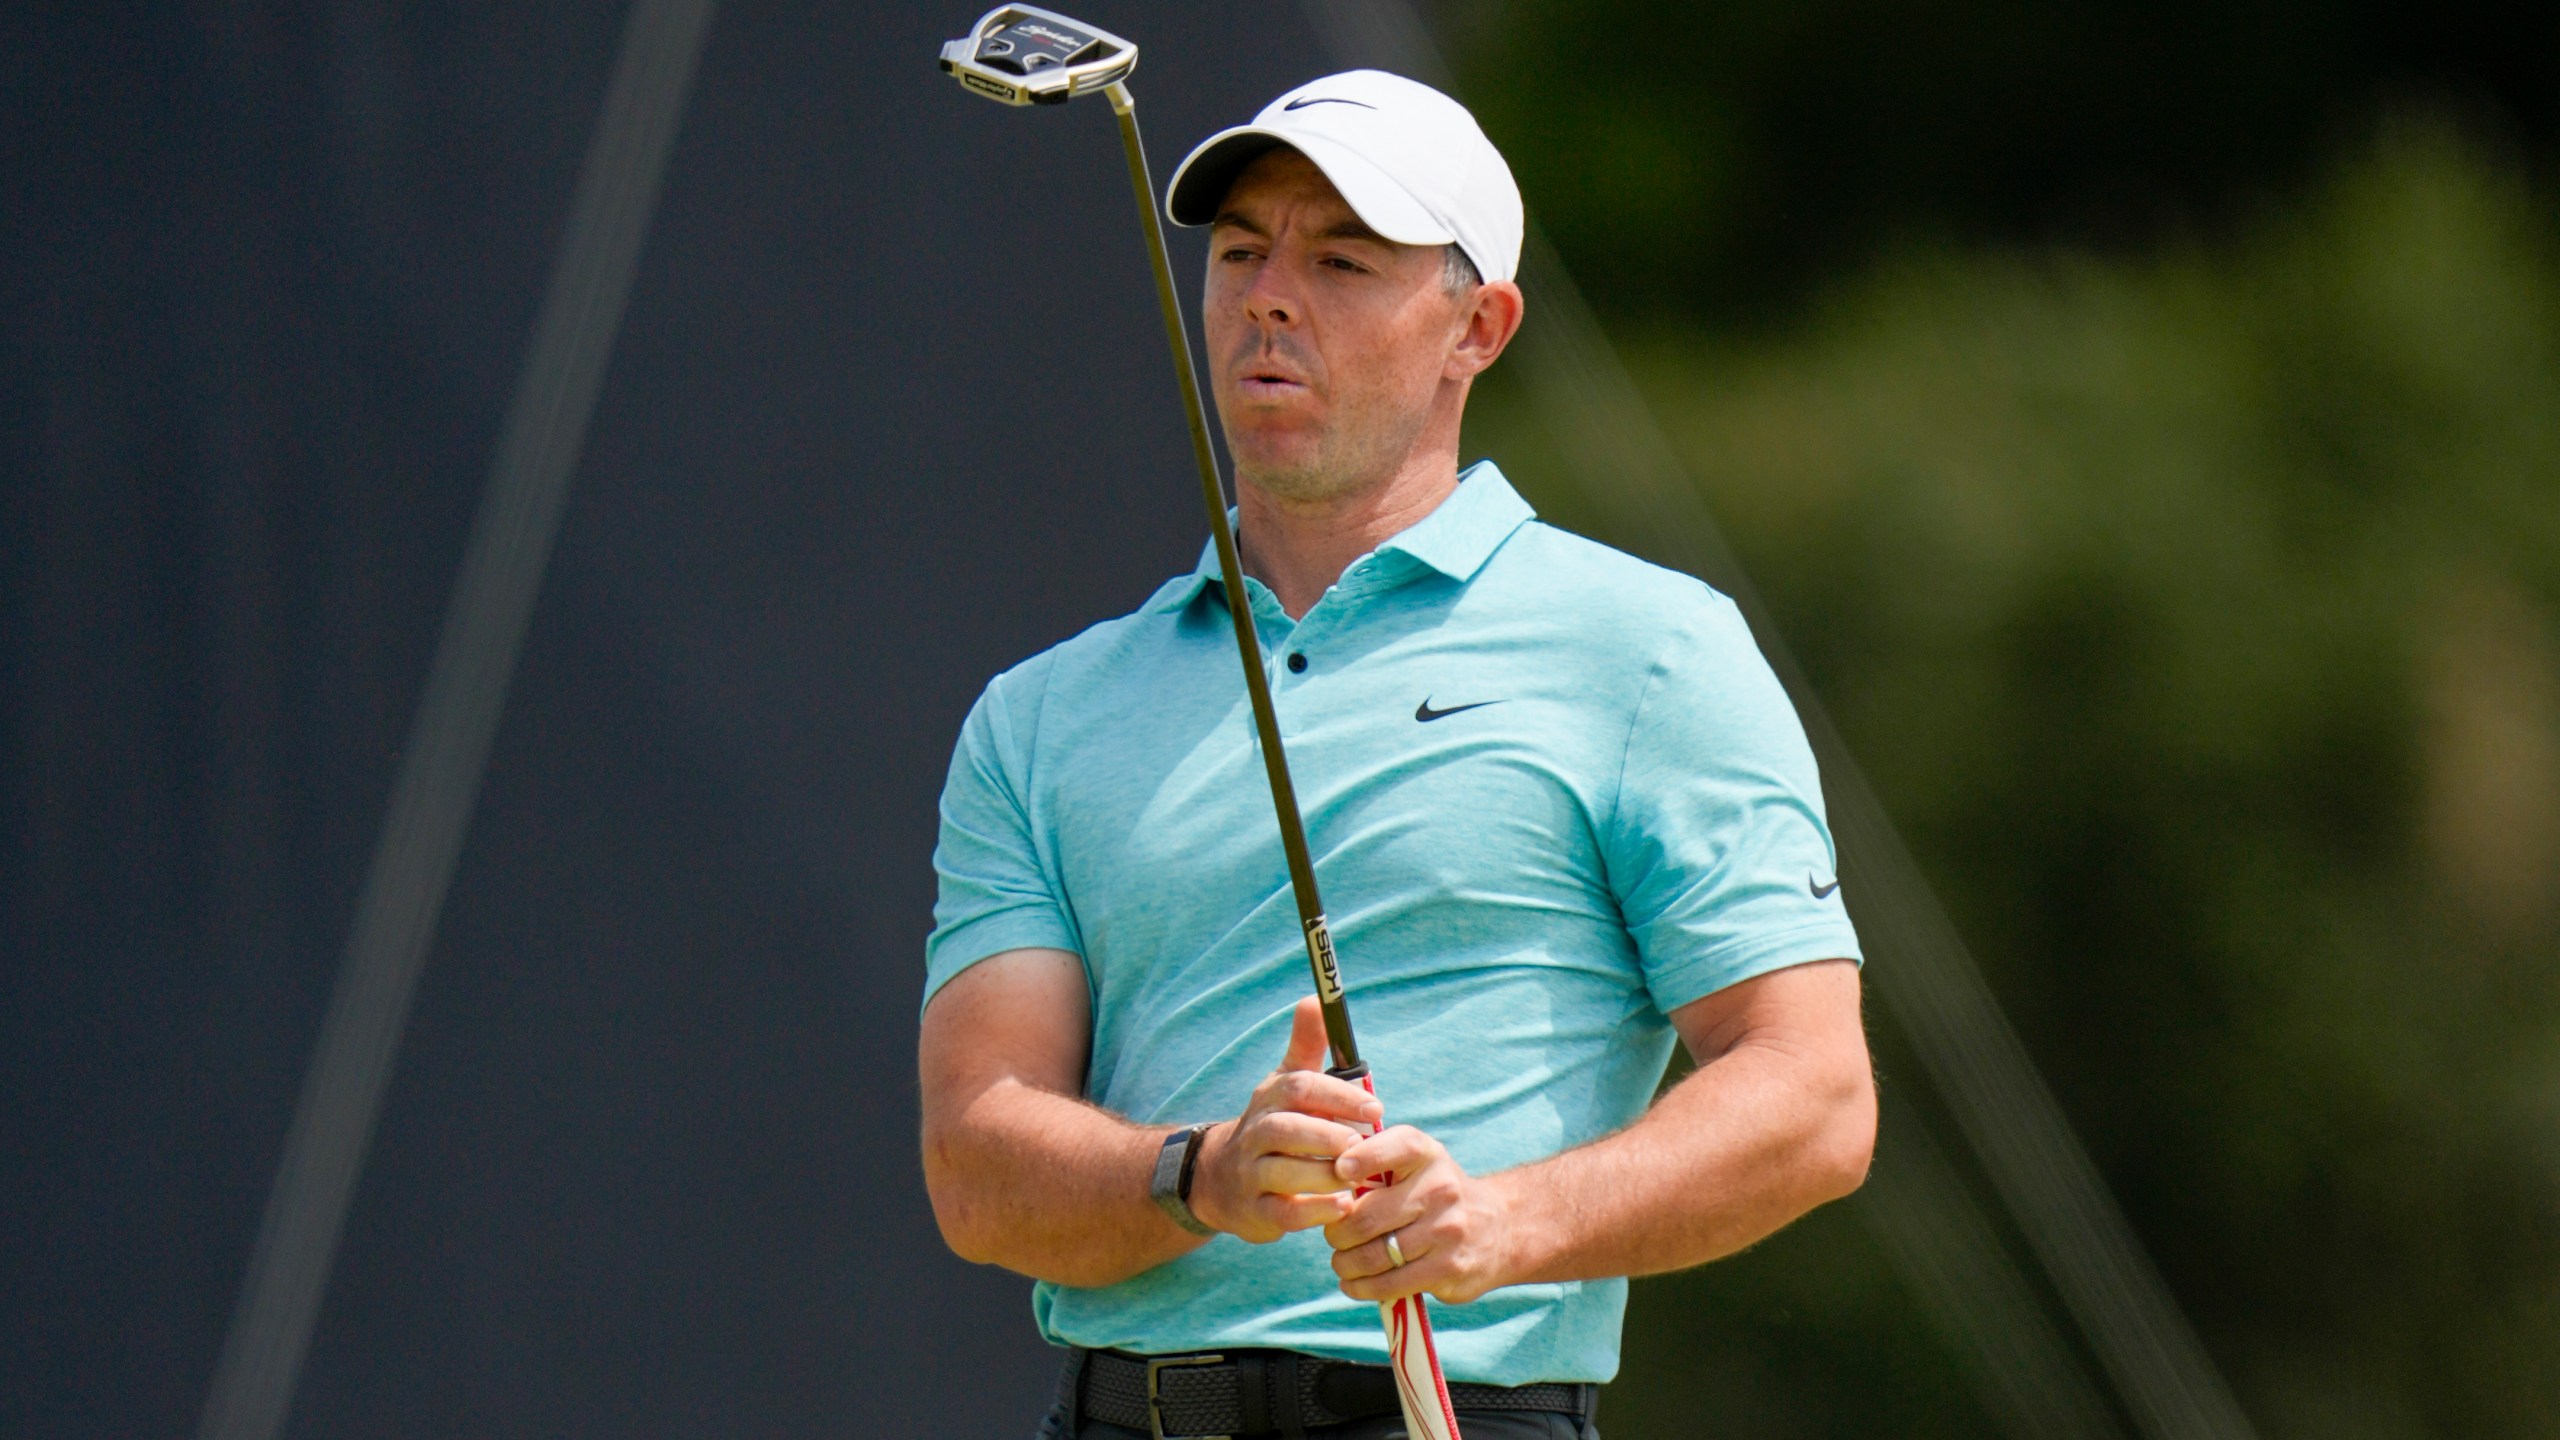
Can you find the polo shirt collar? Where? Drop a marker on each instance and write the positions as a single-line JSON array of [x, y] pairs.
[[1456, 538]]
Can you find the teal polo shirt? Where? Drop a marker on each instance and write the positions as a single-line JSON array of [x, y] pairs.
[[1553, 794]]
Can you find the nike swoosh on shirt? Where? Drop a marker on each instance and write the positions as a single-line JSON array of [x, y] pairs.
[[1424, 713], [1821, 892]]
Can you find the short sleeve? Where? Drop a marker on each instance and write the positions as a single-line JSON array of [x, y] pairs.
[[994, 891], [1717, 848]]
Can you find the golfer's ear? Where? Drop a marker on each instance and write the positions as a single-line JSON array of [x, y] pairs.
[[1306, 1037], [1492, 322]]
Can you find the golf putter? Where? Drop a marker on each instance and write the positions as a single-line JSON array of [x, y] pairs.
[[1023, 55]]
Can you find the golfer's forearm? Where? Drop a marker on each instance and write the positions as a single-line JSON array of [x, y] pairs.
[[1728, 1157], [1049, 1186]]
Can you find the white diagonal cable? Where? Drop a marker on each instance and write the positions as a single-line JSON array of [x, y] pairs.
[[439, 777], [1972, 1292], [1929, 983]]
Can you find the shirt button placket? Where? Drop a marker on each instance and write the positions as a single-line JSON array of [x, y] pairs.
[[1289, 662]]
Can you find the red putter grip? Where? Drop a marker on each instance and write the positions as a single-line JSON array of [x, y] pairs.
[[1384, 1178], [1412, 1354]]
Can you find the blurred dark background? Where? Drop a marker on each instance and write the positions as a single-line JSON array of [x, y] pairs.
[[1725, 162], [2145, 424]]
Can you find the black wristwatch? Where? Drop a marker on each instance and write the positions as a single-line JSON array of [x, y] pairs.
[[1171, 1187]]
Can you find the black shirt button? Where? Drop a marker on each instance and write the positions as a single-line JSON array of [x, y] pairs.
[[1297, 663]]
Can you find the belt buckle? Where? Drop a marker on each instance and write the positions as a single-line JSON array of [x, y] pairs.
[[1156, 1366]]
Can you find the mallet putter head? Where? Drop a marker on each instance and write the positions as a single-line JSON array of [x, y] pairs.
[[1024, 55]]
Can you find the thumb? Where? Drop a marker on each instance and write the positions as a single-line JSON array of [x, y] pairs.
[[1306, 1038]]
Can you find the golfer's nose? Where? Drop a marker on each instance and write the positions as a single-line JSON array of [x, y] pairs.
[[1271, 299]]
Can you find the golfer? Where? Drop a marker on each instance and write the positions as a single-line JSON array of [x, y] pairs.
[[1563, 814]]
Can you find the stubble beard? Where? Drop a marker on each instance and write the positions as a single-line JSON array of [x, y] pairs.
[[1357, 453]]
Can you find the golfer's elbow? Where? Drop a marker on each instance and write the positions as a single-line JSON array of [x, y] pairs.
[[973, 1243], [961, 1210], [1842, 1142], [971, 1179]]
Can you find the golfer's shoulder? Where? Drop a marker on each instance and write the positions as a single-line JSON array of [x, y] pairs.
[[1608, 598], [1108, 650]]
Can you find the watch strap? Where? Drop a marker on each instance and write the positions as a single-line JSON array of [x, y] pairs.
[[1170, 1187]]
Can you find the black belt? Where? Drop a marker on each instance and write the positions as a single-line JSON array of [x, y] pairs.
[[1274, 1392]]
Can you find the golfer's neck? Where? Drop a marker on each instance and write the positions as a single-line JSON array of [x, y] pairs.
[[1299, 547]]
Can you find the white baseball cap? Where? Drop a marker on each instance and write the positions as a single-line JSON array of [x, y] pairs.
[[1410, 161]]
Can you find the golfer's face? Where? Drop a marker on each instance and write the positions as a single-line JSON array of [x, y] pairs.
[[1327, 343]]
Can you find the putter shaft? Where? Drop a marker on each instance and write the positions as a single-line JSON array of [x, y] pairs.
[[1266, 721]]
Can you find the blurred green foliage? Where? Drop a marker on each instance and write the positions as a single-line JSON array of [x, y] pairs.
[[1721, 159], [2197, 616]]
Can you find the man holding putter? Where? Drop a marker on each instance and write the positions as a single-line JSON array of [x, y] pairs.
[[1564, 817]]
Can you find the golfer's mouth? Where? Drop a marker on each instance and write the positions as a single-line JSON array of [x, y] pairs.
[[1268, 384]]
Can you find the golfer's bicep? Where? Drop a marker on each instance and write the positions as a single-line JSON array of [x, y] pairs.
[[1020, 1017], [1810, 1008]]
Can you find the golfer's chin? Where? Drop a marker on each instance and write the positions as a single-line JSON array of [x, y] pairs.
[[1280, 458]]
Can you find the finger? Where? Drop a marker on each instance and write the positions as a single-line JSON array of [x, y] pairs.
[[1307, 1049], [1414, 1277], [1371, 1258], [1399, 1150], [1375, 1214], [1313, 1092], [1303, 1212], [1291, 1132], [1296, 1175]]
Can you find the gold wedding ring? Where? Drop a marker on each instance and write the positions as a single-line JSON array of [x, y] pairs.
[[1395, 1252]]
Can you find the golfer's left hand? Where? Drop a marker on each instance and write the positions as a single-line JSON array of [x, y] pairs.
[[1451, 1227]]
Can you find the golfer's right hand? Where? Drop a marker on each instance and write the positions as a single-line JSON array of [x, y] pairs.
[[1270, 1170]]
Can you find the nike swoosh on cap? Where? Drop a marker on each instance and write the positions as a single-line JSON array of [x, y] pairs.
[[1303, 101], [1424, 713]]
